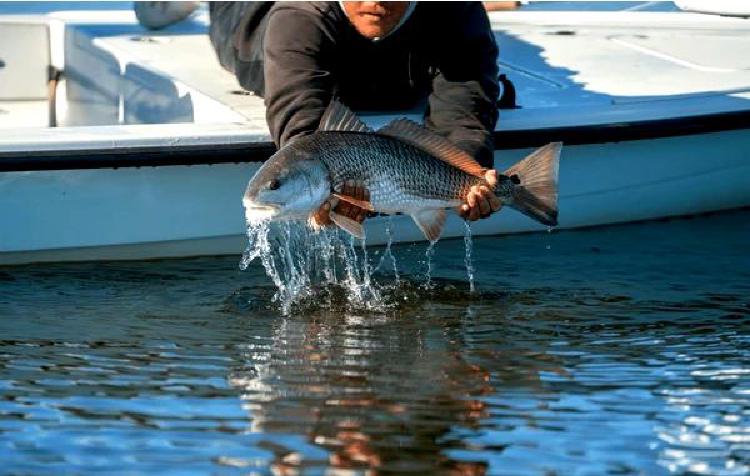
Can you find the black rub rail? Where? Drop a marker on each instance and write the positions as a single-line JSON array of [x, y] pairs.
[[208, 154]]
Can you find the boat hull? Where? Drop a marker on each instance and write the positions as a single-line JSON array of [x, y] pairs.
[[181, 210]]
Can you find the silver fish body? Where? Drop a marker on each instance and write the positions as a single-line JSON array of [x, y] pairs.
[[399, 177], [405, 169]]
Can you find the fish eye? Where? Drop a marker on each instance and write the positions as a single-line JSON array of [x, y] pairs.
[[274, 185]]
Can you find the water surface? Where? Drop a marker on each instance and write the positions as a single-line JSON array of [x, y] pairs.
[[621, 350]]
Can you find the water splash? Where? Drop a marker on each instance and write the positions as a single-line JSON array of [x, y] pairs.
[[468, 246], [301, 263], [312, 267], [362, 290], [282, 259]]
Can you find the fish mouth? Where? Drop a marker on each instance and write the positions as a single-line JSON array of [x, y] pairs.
[[259, 207], [255, 212], [251, 203]]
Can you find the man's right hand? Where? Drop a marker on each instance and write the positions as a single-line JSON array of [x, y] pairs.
[[481, 202], [352, 188]]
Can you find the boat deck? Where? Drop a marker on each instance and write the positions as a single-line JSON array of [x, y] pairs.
[[569, 68]]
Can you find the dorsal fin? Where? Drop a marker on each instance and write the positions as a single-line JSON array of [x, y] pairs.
[[338, 117], [436, 145]]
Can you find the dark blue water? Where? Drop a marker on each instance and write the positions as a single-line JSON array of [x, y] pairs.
[[623, 350]]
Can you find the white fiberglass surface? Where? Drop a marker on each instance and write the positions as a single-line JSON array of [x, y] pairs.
[[596, 58], [568, 67]]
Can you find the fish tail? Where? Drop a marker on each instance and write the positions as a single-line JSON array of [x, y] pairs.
[[535, 194]]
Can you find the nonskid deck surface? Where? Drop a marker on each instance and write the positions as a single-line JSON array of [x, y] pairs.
[[569, 68]]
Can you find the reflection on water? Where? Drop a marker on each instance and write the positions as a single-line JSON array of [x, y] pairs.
[[621, 350]]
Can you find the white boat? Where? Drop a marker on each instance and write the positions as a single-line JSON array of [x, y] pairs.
[[153, 143]]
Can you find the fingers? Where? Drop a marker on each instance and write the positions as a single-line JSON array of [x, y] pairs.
[[484, 203], [471, 207], [491, 177], [463, 211], [471, 198], [495, 203], [480, 203], [359, 190], [366, 197], [322, 216], [355, 189], [333, 202], [474, 214], [345, 208]]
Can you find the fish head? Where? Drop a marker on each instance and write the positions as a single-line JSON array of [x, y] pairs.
[[286, 186]]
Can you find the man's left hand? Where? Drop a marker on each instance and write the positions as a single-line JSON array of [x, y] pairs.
[[481, 202], [352, 188]]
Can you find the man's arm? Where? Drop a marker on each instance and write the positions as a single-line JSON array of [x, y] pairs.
[[462, 105], [298, 87]]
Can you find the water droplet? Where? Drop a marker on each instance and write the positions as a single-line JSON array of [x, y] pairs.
[[429, 252], [388, 253], [468, 246]]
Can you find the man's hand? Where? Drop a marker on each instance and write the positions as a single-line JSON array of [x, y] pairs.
[[480, 201], [355, 189]]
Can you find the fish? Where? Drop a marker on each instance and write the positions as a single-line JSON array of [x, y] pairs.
[[405, 167]]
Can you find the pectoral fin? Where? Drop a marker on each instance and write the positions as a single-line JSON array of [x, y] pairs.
[[356, 202], [348, 225], [431, 222]]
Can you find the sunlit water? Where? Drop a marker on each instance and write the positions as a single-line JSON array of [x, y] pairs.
[[623, 350]]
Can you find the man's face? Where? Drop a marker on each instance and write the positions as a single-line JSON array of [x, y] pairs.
[[375, 19]]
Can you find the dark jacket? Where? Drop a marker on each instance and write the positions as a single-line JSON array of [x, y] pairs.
[[444, 53]]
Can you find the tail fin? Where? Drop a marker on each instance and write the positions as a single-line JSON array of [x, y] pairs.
[[536, 196]]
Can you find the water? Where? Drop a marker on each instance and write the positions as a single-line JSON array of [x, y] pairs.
[[468, 246], [387, 254], [303, 264], [622, 350]]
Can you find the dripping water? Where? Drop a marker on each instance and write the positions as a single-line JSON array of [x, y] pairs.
[[388, 253], [468, 246], [549, 232], [310, 267], [429, 253], [301, 262], [362, 291]]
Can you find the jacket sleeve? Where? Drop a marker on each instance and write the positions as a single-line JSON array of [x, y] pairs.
[[463, 103], [298, 86]]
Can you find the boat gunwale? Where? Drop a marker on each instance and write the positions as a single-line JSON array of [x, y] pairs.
[[211, 153]]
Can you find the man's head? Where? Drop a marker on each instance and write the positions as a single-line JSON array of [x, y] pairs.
[[375, 20]]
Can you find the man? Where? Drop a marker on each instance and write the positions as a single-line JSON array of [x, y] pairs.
[[373, 56]]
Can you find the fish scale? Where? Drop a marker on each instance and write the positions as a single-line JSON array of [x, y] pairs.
[[394, 173]]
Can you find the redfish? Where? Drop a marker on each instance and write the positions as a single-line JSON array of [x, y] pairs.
[[405, 167]]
